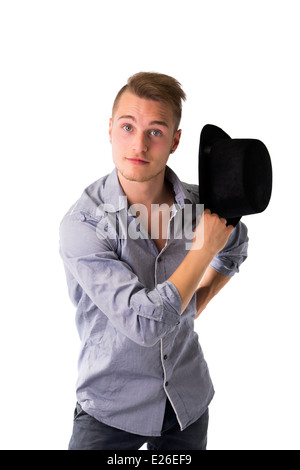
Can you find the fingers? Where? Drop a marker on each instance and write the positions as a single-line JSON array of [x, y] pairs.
[[230, 228], [219, 221], [222, 219]]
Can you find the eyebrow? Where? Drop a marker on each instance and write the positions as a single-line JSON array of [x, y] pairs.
[[159, 123], [152, 123]]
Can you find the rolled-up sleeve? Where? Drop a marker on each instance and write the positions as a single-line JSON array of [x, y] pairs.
[[229, 260], [167, 296], [142, 314]]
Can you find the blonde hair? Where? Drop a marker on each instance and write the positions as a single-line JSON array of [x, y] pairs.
[[157, 87]]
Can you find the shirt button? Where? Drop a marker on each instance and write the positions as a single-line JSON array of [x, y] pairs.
[[159, 260], [165, 357], [166, 384]]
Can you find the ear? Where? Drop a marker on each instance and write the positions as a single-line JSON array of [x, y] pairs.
[[176, 140], [110, 128]]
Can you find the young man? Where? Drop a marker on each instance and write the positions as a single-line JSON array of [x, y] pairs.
[[139, 280]]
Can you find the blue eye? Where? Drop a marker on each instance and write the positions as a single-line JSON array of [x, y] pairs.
[[156, 133], [127, 128]]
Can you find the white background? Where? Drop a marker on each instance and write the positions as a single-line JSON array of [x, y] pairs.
[[62, 62]]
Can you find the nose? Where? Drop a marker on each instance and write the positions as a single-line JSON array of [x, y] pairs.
[[140, 144]]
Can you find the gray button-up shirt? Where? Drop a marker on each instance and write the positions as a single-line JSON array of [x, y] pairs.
[[136, 348]]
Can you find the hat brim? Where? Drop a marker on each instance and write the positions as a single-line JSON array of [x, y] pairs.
[[210, 134]]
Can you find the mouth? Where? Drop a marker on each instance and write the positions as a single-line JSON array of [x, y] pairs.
[[137, 161]]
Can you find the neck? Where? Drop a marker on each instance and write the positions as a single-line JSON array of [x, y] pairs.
[[154, 191]]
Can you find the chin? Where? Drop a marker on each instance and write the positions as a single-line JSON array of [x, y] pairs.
[[133, 176], [139, 174]]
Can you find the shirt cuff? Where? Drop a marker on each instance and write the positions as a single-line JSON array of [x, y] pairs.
[[161, 304]]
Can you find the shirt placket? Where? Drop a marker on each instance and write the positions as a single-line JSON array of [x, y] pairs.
[[164, 343]]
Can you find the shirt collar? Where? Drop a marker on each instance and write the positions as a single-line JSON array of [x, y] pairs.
[[116, 200], [182, 196], [113, 195]]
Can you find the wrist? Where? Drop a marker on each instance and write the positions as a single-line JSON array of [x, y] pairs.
[[202, 256], [201, 246]]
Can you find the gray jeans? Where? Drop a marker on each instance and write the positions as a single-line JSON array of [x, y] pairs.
[[90, 434]]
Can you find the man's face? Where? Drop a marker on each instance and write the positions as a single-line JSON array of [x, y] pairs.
[[142, 135]]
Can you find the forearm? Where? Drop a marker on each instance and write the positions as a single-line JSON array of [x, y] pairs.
[[211, 283], [187, 276], [211, 235]]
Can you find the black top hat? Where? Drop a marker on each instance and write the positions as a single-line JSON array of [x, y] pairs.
[[235, 175]]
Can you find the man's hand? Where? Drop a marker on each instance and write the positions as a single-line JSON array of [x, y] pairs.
[[211, 233]]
